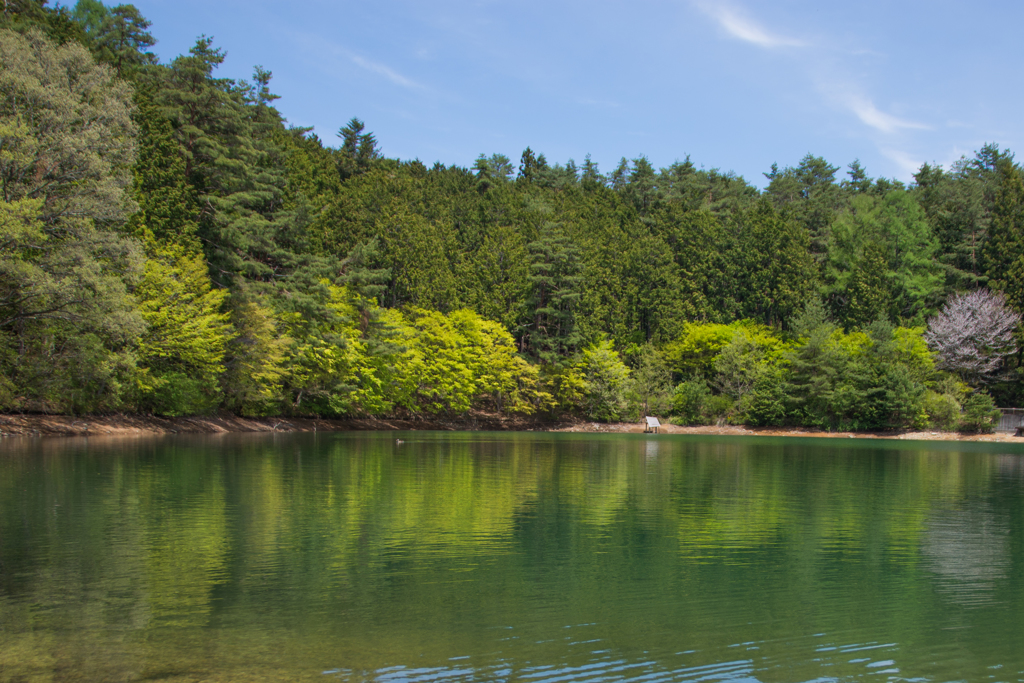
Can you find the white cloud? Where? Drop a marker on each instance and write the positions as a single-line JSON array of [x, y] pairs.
[[742, 27], [328, 55], [386, 72], [907, 164], [870, 115]]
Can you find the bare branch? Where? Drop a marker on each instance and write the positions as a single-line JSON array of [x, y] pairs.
[[972, 335]]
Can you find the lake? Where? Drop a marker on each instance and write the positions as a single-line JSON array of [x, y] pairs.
[[502, 556]]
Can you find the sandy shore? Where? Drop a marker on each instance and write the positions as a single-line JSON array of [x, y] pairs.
[[96, 425]]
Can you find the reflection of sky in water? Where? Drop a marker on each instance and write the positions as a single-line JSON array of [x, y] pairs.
[[651, 449], [823, 660], [967, 551]]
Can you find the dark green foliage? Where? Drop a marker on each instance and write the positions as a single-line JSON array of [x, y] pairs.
[[168, 207], [358, 149], [980, 413], [181, 394], [1005, 244], [776, 275], [959, 204], [766, 403], [809, 195], [554, 295], [119, 36]]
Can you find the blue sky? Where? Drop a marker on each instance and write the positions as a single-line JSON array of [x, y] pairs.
[[735, 85]]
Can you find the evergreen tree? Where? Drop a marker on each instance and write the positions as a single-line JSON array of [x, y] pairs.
[[1005, 243], [775, 271], [121, 38], [554, 297], [358, 149], [808, 194]]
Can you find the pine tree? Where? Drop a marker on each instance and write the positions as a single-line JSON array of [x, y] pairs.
[[358, 149], [121, 39]]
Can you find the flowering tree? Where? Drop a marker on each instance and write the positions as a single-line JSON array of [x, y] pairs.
[[973, 334]]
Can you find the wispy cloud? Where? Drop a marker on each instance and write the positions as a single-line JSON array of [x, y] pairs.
[[870, 115], [330, 55], [385, 71], [907, 164], [740, 26]]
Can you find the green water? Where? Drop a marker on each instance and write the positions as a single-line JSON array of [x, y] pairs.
[[493, 557]]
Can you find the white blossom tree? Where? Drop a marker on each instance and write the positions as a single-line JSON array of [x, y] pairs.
[[972, 334]]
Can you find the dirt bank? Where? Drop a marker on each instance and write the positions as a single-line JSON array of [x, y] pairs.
[[96, 425], [731, 430]]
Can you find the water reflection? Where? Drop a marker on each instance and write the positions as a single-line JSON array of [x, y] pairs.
[[967, 550], [489, 557]]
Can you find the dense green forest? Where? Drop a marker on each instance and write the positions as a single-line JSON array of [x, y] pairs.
[[169, 245]]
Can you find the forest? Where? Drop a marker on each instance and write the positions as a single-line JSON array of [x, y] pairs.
[[169, 245]]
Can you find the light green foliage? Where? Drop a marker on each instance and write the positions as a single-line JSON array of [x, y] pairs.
[[606, 378], [437, 364], [945, 403], [739, 365], [450, 363], [255, 365], [568, 386], [504, 380], [690, 402], [697, 349], [749, 361], [881, 262], [329, 371], [943, 410], [186, 333], [649, 391], [909, 348]]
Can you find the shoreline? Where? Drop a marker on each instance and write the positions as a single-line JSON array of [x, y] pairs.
[[33, 425]]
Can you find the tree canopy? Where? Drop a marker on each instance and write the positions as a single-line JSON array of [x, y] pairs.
[[169, 244]]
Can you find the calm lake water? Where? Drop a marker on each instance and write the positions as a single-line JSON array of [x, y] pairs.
[[526, 557]]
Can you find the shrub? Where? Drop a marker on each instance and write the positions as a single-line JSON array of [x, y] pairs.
[[943, 411], [766, 403], [689, 402], [980, 414]]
